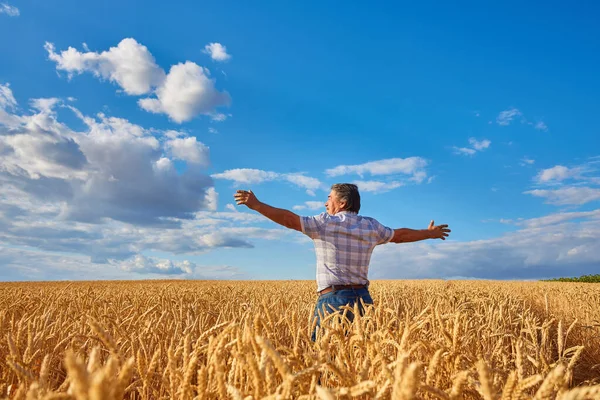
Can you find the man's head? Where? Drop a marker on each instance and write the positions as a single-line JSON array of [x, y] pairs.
[[343, 197]]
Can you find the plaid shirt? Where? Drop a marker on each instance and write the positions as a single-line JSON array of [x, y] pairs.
[[343, 246]]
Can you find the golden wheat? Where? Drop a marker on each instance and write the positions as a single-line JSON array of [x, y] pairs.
[[251, 340]]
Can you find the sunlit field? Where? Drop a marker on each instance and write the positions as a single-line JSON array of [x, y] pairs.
[[251, 340]]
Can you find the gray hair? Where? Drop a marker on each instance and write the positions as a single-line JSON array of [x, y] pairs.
[[348, 193]]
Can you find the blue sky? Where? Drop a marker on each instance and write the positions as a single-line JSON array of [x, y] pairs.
[[126, 129]]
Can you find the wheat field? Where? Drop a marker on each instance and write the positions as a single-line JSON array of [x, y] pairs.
[[251, 340]]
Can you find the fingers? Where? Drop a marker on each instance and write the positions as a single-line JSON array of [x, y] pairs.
[[431, 224], [241, 196]]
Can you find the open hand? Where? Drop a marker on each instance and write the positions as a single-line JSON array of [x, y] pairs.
[[439, 231], [246, 197]]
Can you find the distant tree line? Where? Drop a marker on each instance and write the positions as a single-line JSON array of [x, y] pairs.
[[584, 278]]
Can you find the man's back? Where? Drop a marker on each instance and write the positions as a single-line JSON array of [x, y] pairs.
[[344, 243]]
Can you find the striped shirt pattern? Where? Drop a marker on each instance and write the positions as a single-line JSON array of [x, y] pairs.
[[343, 246]]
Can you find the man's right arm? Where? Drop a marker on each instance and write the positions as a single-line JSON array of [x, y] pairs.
[[279, 215]]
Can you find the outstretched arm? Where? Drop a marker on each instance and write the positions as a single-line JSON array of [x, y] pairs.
[[404, 235], [279, 215]]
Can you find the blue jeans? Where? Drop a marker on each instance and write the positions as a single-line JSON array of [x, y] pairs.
[[338, 299]]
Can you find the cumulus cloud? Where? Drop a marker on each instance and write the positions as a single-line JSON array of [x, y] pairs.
[[412, 166], [248, 176], [186, 91], [130, 65], [217, 51], [9, 10], [505, 117], [189, 149], [105, 193], [114, 169]]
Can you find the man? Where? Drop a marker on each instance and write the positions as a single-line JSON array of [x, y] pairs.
[[343, 243]]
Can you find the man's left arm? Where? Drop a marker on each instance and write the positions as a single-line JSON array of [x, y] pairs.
[[405, 235], [279, 215]]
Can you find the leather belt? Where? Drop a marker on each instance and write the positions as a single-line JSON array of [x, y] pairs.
[[340, 287]]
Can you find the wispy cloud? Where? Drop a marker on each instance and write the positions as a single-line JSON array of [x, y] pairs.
[[247, 176], [573, 195], [412, 166], [541, 126], [9, 10], [311, 205], [562, 185], [377, 186], [476, 145], [553, 219], [527, 161], [506, 117], [557, 173], [217, 51]]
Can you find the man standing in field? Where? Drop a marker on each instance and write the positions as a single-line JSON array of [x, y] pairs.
[[343, 243]]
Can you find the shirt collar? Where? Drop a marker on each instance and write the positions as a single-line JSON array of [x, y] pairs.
[[346, 212]]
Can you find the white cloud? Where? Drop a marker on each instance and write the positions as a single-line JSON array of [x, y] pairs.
[[114, 169], [130, 65], [311, 205], [409, 166], [212, 130], [557, 173], [150, 265], [242, 176], [186, 92], [303, 181], [218, 117], [570, 249], [541, 126], [45, 104], [217, 51], [310, 192], [247, 176], [377, 186], [573, 195], [9, 10], [527, 161], [7, 99], [479, 144], [476, 145], [189, 149], [506, 117], [8, 103], [212, 199], [557, 218], [183, 93], [464, 150]]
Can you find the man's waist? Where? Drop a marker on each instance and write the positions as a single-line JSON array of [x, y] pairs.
[[340, 287]]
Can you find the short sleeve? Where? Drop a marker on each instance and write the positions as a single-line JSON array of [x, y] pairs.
[[312, 226], [383, 233]]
